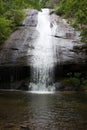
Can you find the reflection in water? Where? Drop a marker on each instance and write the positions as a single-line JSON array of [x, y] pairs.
[[61, 111]]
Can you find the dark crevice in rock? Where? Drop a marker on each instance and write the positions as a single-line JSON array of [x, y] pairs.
[[13, 73], [14, 49], [61, 71], [62, 37]]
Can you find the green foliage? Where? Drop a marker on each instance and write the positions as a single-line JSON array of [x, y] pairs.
[[77, 80], [77, 75], [76, 11], [17, 17], [35, 4], [85, 83], [58, 10], [74, 24], [5, 29], [73, 81], [12, 15], [49, 3], [84, 35], [43, 3]]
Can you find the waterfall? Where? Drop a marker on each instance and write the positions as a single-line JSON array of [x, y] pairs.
[[42, 55]]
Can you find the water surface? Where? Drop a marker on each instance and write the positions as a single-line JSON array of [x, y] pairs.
[[59, 111]]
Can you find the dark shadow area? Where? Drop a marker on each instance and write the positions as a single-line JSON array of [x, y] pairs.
[[14, 77], [18, 77], [61, 71]]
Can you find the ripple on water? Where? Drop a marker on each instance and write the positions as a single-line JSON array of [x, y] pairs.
[[58, 111]]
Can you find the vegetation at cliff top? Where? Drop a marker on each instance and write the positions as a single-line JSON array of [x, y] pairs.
[[49, 3], [76, 12], [12, 15]]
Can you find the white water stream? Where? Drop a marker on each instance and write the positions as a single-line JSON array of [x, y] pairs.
[[43, 61]]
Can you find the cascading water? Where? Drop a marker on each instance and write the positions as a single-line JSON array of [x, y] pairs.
[[51, 47], [42, 55], [42, 49]]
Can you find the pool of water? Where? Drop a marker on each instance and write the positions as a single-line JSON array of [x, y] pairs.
[[34, 111]]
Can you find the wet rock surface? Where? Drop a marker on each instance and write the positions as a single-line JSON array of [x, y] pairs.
[[60, 86], [16, 57], [17, 49], [31, 18], [24, 127], [63, 87]]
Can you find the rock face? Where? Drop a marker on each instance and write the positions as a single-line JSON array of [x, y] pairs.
[[16, 54], [15, 50], [24, 127], [65, 87], [31, 19], [14, 77]]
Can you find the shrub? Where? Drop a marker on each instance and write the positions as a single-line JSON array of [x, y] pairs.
[[17, 17], [73, 81], [84, 35], [5, 29], [76, 10], [11, 15]]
